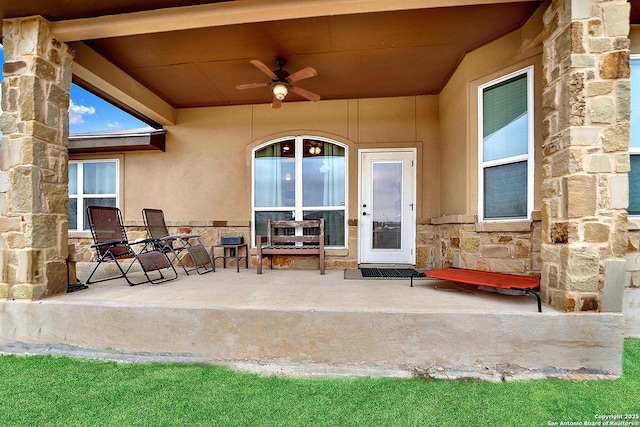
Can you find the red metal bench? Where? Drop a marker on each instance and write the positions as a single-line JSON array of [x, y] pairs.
[[527, 284]]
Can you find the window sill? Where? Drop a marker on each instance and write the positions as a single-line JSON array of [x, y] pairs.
[[634, 223], [80, 235], [454, 219], [337, 252]]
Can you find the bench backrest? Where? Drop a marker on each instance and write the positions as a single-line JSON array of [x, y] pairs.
[[284, 232]]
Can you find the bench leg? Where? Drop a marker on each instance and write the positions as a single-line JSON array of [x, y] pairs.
[[537, 295], [530, 291], [259, 259]]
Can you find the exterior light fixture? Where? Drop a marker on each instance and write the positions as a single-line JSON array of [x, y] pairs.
[[280, 90]]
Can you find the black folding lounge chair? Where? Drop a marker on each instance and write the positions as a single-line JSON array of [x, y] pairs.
[[111, 244], [174, 244]]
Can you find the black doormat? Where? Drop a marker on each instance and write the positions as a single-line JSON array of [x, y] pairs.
[[391, 273]]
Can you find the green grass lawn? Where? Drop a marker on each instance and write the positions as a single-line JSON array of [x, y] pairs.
[[62, 391]]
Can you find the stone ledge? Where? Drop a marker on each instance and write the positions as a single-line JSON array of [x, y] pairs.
[[80, 235], [504, 226], [454, 219]]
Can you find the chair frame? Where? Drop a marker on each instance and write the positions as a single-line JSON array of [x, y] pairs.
[[111, 244], [174, 244]]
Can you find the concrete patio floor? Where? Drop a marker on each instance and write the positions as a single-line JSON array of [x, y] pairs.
[[297, 322]]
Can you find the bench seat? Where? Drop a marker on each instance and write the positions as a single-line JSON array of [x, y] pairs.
[[291, 238]]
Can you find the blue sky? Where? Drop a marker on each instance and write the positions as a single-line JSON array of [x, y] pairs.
[[89, 113]]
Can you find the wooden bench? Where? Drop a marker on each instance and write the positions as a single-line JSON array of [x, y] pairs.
[[291, 238]]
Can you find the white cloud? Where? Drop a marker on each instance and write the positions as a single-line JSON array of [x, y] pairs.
[[115, 125], [78, 112]]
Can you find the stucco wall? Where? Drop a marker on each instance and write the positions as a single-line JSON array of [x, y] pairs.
[[203, 180], [459, 117], [205, 173], [634, 37]]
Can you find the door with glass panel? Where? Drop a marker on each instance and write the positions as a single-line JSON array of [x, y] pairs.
[[387, 207]]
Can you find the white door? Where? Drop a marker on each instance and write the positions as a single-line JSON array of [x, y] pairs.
[[387, 222]]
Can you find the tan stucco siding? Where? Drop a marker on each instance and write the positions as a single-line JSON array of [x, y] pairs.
[[634, 36], [459, 118], [205, 173], [428, 132]]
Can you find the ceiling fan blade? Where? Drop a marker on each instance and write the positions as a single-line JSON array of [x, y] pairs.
[[305, 73], [306, 94], [260, 66], [276, 103], [251, 85]]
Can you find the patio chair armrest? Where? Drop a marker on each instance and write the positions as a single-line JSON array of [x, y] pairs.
[[143, 241], [188, 236], [113, 242], [168, 239]]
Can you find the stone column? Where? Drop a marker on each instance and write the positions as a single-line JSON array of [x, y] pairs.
[[34, 161], [585, 190]]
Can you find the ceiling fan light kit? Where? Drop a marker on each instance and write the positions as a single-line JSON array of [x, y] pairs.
[[280, 90], [282, 82]]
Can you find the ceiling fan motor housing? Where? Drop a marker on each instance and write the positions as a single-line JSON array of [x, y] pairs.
[[281, 74]]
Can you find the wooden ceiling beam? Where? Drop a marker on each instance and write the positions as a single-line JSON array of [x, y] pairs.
[[235, 12], [96, 71]]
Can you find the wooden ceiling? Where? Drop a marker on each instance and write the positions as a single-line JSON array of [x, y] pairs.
[[356, 55]]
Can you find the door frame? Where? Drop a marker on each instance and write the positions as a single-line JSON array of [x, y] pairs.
[[413, 152]]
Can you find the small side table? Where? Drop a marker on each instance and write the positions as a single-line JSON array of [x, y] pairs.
[[231, 252]]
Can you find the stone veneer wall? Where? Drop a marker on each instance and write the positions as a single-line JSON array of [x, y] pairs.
[[454, 241], [633, 255], [460, 241], [33, 161], [586, 104]]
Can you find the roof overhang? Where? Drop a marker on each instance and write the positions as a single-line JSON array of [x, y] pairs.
[[103, 142]]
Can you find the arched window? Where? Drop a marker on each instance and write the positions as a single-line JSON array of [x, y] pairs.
[[301, 178]]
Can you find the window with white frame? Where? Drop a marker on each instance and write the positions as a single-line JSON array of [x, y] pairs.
[[634, 141], [505, 129], [300, 178], [91, 182]]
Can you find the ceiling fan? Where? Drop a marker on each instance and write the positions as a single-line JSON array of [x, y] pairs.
[[282, 82]]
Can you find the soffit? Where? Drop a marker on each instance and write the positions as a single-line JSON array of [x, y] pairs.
[[357, 55]]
